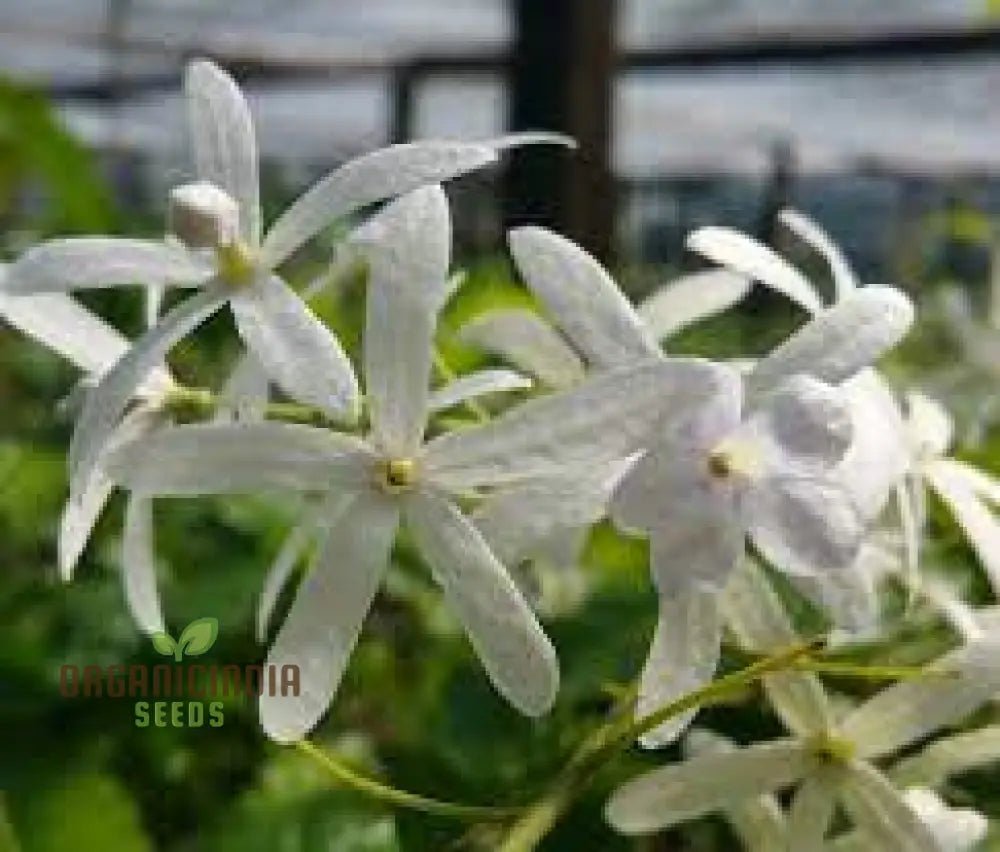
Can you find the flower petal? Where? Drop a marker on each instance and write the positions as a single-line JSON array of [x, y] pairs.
[[245, 393], [83, 510], [214, 458], [757, 618], [84, 262], [690, 299], [323, 623], [473, 385], [518, 520], [910, 710], [373, 177], [683, 657], [106, 402], [804, 426], [878, 457], [804, 525], [67, 328], [880, 811], [525, 340], [811, 813], [682, 791], [297, 351], [693, 520], [408, 248], [844, 279], [752, 259], [139, 566], [930, 425], [581, 297], [954, 829], [839, 341], [609, 417], [225, 147], [980, 525], [513, 648], [947, 756]]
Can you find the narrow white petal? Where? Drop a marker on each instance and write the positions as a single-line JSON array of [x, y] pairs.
[[839, 341], [682, 791], [525, 340], [83, 510], [314, 523], [947, 756], [139, 566], [298, 352], [225, 147], [848, 596], [879, 455], [979, 523], [805, 525], [408, 248], [245, 393], [930, 425], [910, 710], [373, 177], [683, 657], [880, 811], [106, 402], [811, 813], [79, 517], [757, 618], [844, 279], [477, 384], [692, 519], [323, 623], [214, 458], [581, 297], [979, 481], [759, 823], [955, 829], [513, 648], [67, 328], [752, 259], [85, 262], [690, 299], [609, 417], [517, 520]]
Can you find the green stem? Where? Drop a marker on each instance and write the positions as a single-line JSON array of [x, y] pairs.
[[200, 404], [611, 739], [401, 798]]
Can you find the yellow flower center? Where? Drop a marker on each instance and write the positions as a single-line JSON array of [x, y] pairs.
[[395, 475], [733, 458], [236, 264], [831, 750]]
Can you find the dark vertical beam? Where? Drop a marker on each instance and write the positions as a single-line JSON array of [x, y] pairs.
[[561, 79], [401, 97]]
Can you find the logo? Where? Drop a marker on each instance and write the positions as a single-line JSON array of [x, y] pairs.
[[180, 681]]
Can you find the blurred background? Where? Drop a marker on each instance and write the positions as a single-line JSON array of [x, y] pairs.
[[878, 117]]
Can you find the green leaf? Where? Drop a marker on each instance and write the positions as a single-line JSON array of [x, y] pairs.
[[164, 644], [199, 636]]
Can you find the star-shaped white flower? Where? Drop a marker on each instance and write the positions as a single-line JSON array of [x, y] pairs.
[[396, 475], [221, 252], [827, 760]]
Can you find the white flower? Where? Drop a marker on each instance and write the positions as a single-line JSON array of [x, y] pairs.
[[827, 760], [971, 495], [395, 475], [275, 323]]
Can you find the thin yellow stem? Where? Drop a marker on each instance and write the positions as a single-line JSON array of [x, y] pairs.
[[402, 798]]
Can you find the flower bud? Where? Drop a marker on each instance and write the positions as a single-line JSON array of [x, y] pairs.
[[203, 216]]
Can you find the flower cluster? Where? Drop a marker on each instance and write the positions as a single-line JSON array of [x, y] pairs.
[[796, 471]]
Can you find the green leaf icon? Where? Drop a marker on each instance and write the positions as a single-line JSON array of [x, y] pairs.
[[198, 637], [164, 644]]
